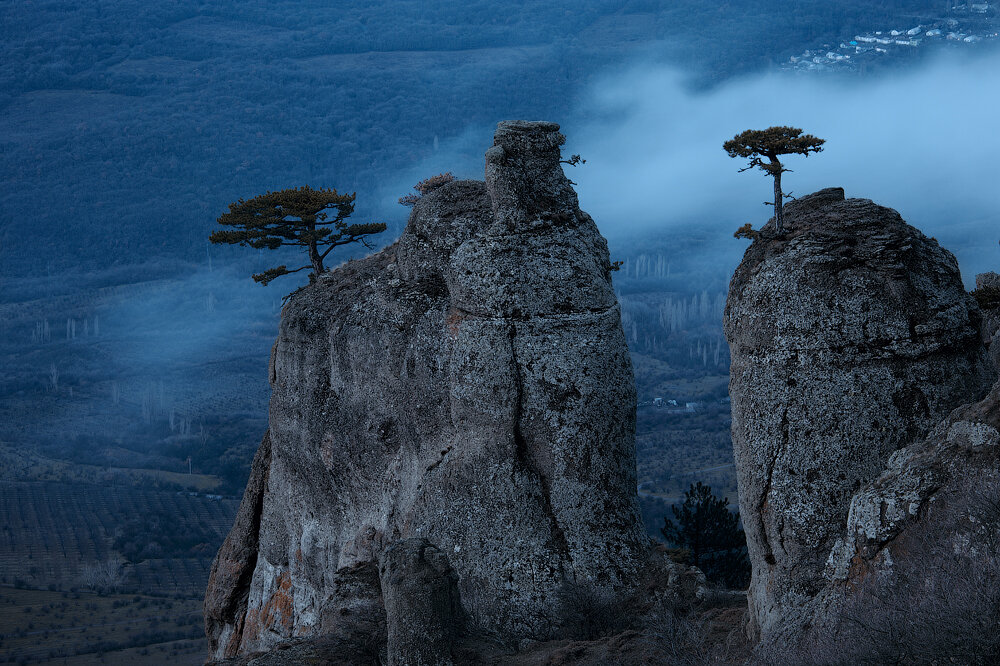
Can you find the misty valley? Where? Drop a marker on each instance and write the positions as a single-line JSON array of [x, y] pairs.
[[139, 367]]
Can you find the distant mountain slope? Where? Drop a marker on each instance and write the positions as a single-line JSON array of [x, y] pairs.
[[126, 128]]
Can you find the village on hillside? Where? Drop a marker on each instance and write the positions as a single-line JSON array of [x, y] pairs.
[[965, 25]]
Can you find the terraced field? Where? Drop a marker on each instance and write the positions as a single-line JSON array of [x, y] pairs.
[[42, 627], [50, 531]]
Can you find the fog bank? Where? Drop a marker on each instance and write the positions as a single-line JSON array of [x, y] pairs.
[[922, 142]]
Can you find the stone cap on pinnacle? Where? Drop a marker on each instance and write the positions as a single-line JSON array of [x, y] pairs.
[[524, 177], [519, 135]]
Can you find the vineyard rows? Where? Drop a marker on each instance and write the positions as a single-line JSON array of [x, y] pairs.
[[50, 530]]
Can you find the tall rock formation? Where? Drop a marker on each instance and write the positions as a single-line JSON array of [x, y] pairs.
[[851, 337], [451, 436]]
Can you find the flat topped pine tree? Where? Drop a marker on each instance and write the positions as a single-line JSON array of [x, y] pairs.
[[756, 145], [300, 216]]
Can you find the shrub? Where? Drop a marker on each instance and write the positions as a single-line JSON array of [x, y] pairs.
[[987, 297], [425, 186], [590, 612]]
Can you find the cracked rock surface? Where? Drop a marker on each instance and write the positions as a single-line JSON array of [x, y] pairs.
[[991, 316], [466, 392], [851, 337], [914, 576]]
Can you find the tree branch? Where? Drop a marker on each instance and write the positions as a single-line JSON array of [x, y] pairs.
[[360, 238]]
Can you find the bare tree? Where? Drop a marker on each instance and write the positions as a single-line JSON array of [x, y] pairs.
[[106, 576]]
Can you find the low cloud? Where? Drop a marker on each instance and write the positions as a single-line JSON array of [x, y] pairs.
[[921, 141]]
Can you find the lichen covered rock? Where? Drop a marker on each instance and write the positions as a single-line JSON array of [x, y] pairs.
[[851, 337], [915, 576], [991, 314], [467, 389]]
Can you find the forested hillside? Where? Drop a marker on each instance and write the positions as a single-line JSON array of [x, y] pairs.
[[129, 127]]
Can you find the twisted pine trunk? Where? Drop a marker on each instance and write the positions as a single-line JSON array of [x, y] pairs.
[[776, 168], [315, 258], [778, 217]]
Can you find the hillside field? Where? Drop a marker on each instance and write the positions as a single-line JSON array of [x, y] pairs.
[[77, 629]]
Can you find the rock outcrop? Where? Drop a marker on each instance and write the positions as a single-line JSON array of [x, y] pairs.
[[990, 283], [915, 576], [451, 432], [959, 459], [851, 337]]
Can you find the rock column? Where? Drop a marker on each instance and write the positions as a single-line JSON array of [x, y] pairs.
[[421, 602], [467, 389], [851, 336]]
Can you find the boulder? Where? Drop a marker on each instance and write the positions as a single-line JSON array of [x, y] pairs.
[[851, 337], [421, 603], [988, 280]]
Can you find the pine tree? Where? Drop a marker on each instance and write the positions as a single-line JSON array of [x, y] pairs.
[[711, 535], [294, 217], [758, 144]]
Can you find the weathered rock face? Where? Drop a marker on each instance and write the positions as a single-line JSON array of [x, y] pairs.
[[991, 315], [467, 390], [229, 582], [915, 576], [851, 337]]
